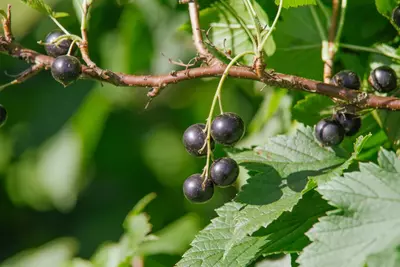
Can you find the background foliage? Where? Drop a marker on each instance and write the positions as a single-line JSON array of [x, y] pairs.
[[75, 160]]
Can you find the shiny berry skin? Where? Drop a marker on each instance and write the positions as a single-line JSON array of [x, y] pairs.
[[350, 122], [396, 16], [194, 139], [66, 69], [57, 50], [3, 115], [329, 132], [227, 128], [224, 172], [383, 79], [194, 191], [347, 79]]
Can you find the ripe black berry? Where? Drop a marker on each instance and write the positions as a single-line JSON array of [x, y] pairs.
[[347, 79], [350, 122], [224, 171], [396, 16], [227, 128], [383, 79], [194, 139], [3, 115], [194, 190], [57, 50], [66, 69], [329, 132]]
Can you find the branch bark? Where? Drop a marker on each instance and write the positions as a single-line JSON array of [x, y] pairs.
[[157, 82], [357, 98], [328, 66]]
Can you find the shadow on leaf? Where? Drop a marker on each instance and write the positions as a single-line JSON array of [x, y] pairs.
[[266, 185], [263, 188]]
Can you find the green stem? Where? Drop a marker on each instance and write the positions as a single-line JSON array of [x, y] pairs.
[[369, 49], [213, 104], [341, 22], [321, 31], [253, 16], [59, 25], [261, 45], [324, 10], [241, 22]]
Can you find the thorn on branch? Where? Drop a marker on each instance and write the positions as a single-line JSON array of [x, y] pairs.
[[25, 75]]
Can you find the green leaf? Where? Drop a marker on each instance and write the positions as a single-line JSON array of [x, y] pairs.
[[296, 3], [58, 15], [278, 174], [77, 262], [309, 110], [297, 40], [280, 262], [3, 13], [284, 166], [287, 234], [170, 239], [360, 143], [54, 253], [209, 245], [137, 228], [365, 224], [39, 5], [385, 7], [226, 33], [387, 258]]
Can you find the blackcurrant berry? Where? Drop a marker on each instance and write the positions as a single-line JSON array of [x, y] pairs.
[[350, 122], [347, 79], [3, 115], [194, 139], [224, 171], [59, 49], [396, 16], [194, 190], [329, 132], [227, 128], [383, 79], [66, 69]]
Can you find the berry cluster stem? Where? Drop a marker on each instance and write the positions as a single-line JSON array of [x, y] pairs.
[[217, 96]]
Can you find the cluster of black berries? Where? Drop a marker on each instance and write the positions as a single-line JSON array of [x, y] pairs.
[[331, 131], [65, 68], [227, 129]]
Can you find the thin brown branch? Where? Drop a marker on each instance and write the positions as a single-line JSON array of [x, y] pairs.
[[357, 98], [197, 33], [84, 44], [328, 66], [7, 25], [25, 75]]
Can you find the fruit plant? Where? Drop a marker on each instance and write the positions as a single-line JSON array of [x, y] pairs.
[[325, 191]]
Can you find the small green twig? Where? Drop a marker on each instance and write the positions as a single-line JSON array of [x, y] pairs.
[[341, 22], [254, 18], [59, 25], [70, 47], [324, 11], [241, 22], [213, 104], [261, 45], [370, 50], [320, 28]]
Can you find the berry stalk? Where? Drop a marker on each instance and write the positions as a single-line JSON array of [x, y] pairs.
[[217, 96]]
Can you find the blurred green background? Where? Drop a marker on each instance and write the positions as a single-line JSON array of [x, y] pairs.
[[75, 160]]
